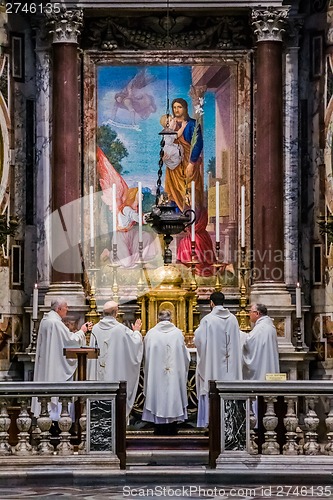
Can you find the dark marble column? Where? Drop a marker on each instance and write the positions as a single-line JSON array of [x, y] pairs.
[[268, 220], [66, 177]]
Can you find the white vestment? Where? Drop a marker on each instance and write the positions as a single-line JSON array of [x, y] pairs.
[[51, 365], [166, 362], [217, 340], [260, 350], [120, 356]]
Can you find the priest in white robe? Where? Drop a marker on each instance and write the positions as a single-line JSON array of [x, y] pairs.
[[51, 365], [260, 349], [217, 340], [121, 351], [166, 363]]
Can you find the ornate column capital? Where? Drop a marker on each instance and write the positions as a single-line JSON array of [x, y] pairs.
[[269, 25], [65, 27]]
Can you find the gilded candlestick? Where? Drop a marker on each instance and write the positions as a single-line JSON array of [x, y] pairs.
[[193, 263], [92, 315], [217, 265], [242, 314]]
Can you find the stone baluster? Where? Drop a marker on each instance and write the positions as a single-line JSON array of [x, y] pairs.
[[291, 422], [300, 439], [23, 422], [44, 423], [83, 426], [5, 448], [329, 427], [311, 421], [270, 421], [65, 423], [253, 436]]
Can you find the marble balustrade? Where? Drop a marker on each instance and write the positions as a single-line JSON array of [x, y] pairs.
[[278, 420], [292, 419], [100, 417]]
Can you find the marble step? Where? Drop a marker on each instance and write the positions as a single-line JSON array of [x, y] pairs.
[[166, 457], [178, 442]]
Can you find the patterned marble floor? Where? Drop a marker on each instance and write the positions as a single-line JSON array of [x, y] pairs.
[[182, 492]]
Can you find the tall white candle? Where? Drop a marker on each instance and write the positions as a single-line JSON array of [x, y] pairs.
[[217, 212], [91, 216], [243, 216], [35, 303], [193, 208], [140, 210], [298, 301], [114, 213]]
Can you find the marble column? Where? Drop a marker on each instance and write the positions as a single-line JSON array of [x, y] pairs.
[[291, 147], [268, 213], [65, 225], [268, 173], [43, 146]]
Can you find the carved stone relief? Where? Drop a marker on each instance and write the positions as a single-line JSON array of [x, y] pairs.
[[167, 32]]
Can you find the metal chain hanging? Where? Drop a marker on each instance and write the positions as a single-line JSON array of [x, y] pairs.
[[160, 171], [166, 130]]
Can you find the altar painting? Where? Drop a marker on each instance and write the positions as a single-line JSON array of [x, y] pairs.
[[132, 102]]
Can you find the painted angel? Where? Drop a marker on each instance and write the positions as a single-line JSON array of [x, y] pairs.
[[135, 99], [127, 217]]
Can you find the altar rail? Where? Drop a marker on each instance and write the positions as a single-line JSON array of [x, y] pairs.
[[94, 398], [282, 422]]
